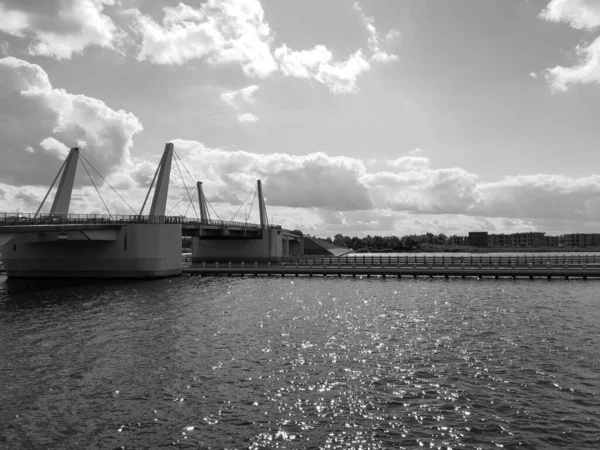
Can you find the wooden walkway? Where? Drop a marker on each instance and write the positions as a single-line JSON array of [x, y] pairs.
[[538, 266]]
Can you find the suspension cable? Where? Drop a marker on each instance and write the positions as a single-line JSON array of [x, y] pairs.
[[95, 187], [182, 163], [252, 204], [213, 209], [51, 186], [188, 172], [189, 204], [242, 205], [104, 179], [180, 200], [185, 185]]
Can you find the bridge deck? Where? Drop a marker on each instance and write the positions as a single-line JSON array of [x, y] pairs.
[[27, 219]]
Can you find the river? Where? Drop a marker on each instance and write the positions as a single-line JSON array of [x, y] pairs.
[[297, 363]]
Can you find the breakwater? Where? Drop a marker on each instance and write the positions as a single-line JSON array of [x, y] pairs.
[[521, 266]]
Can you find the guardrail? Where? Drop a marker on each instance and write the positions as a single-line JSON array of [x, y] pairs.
[[12, 219], [424, 260], [394, 266]]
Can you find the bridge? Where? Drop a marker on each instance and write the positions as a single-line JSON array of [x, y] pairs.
[[61, 244]]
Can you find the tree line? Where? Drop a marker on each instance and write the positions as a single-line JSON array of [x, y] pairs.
[[389, 243]]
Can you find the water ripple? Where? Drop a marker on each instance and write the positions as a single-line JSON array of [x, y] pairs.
[[309, 363]]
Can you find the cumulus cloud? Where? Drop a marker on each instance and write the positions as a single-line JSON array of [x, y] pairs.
[[38, 123], [235, 31], [312, 181], [59, 29], [318, 64], [541, 196], [221, 31], [581, 15], [425, 190], [586, 72]]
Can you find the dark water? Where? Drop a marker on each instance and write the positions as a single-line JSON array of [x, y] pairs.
[[196, 362]]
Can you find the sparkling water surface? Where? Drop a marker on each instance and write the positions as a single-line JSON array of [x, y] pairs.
[[298, 363]]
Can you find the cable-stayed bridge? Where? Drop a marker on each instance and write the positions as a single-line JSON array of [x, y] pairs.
[[60, 244]]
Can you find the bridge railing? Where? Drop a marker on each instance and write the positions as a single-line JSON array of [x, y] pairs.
[[225, 223], [18, 218]]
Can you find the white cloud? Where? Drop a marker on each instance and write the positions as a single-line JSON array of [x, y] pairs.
[[339, 76], [34, 115], [60, 28], [247, 118], [408, 163], [54, 147], [315, 180], [533, 75], [235, 31], [424, 190], [580, 14], [220, 31], [13, 22], [587, 71], [541, 196], [374, 40], [234, 98]]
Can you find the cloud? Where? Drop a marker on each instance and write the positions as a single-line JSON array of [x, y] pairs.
[[424, 190], [232, 31], [38, 123], [59, 29], [247, 118], [541, 196], [374, 40], [586, 72], [579, 14], [220, 31], [315, 180], [235, 98], [533, 75], [318, 64]]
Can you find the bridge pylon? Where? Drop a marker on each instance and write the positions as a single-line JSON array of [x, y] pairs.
[[62, 200], [264, 220], [204, 217]]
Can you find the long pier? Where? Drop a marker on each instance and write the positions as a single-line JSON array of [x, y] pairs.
[[526, 266]]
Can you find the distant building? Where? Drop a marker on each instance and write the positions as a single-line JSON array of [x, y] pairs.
[[529, 239], [478, 238], [580, 240], [460, 241]]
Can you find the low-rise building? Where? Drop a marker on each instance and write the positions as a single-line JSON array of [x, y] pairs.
[[460, 241], [478, 238]]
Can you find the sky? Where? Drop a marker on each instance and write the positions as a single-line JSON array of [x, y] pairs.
[[380, 117]]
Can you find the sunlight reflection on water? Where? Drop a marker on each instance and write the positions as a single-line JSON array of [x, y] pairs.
[[304, 363]]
